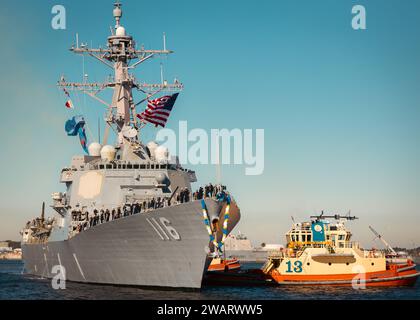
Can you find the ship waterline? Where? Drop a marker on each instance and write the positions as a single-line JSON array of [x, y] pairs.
[[166, 248]]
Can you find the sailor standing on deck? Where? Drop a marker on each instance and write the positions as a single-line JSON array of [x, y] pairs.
[[91, 216]]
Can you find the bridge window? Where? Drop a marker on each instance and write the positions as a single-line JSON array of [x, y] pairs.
[[136, 166], [142, 166]]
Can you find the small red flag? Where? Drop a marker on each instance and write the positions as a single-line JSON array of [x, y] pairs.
[[69, 104]]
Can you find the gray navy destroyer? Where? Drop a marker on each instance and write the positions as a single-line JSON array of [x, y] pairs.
[[121, 219]]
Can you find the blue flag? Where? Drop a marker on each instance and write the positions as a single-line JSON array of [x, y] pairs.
[[76, 126]]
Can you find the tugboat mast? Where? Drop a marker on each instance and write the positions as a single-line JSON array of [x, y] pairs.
[[121, 55]]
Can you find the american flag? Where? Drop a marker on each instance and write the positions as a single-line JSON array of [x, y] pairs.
[[158, 110]]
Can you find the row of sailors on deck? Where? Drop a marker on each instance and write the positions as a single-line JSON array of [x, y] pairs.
[[90, 219], [209, 191], [85, 219]]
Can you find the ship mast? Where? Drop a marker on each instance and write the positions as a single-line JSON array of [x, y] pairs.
[[122, 56]]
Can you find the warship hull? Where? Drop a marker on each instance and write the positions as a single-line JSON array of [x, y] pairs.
[[167, 247]]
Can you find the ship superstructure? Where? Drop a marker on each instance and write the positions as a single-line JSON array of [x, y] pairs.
[[127, 215]]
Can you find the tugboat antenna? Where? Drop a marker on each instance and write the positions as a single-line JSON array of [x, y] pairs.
[[336, 217]]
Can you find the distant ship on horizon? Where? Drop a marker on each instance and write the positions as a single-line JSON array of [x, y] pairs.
[[240, 247]]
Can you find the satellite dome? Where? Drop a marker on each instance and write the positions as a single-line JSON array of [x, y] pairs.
[[120, 32], [94, 149], [152, 146], [108, 153], [162, 178], [161, 154]]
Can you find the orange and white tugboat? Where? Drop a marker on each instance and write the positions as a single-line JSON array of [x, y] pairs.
[[319, 252]]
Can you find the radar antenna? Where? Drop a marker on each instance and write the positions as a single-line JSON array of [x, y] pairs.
[[336, 217], [121, 56]]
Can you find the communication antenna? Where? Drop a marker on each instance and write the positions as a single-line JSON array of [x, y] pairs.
[[164, 41], [77, 40], [117, 13], [43, 212], [99, 130]]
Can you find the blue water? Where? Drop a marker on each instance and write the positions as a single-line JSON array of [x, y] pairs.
[[15, 285]]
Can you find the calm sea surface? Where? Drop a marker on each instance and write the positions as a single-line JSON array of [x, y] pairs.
[[15, 285]]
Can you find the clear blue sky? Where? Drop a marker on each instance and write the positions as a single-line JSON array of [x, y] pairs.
[[340, 108]]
